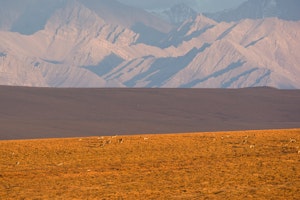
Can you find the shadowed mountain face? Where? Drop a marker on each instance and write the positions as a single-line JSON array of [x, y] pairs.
[[258, 9], [45, 112], [104, 43]]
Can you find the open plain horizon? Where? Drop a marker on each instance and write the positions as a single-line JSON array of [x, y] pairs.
[[136, 143]]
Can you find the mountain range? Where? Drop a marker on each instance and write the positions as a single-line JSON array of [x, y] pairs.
[[258, 9], [89, 43]]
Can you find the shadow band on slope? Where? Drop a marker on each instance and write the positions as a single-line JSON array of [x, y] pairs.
[[230, 67], [164, 68], [35, 16], [27, 113], [106, 65]]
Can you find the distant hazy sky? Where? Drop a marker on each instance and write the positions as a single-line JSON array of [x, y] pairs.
[[202, 5]]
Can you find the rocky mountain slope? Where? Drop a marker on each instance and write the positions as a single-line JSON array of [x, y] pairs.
[[176, 14], [80, 45], [258, 9]]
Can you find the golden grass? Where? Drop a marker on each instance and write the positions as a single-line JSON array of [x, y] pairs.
[[225, 165]]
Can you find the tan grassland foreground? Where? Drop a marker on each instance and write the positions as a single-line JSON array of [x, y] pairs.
[[225, 165]]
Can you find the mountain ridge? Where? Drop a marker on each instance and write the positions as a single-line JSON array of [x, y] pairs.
[[79, 48], [259, 9]]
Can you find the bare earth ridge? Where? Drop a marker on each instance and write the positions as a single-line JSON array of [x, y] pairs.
[[27, 113]]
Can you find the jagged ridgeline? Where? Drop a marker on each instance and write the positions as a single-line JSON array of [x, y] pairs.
[[89, 43]]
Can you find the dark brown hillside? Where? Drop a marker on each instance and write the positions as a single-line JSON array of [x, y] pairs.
[[49, 112]]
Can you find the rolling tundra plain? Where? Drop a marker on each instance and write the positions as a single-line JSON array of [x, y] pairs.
[[149, 143], [223, 165]]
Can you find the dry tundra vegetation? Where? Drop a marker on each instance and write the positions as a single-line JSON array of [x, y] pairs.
[[225, 165]]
